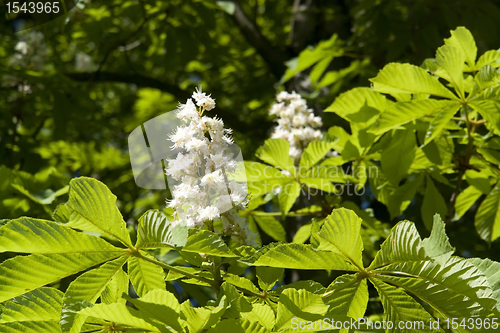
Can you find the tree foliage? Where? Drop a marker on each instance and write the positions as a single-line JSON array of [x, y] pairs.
[[388, 216]]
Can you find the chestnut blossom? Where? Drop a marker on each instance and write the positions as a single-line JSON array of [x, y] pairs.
[[296, 123], [204, 194], [30, 53]]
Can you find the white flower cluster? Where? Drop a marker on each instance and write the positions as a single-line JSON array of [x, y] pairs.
[[84, 62], [31, 53], [205, 196], [296, 123]]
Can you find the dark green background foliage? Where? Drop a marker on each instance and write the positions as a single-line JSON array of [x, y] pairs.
[[149, 55]]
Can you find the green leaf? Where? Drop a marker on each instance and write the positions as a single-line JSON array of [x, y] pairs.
[[466, 199], [115, 288], [403, 112], [270, 226], [262, 178], [199, 319], [298, 304], [299, 256], [433, 203], [408, 79], [488, 58], [287, 197], [241, 282], [238, 326], [92, 207], [347, 295], [403, 145], [487, 219], [276, 153], [456, 289], [155, 231], [313, 153], [403, 245], [462, 39], [29, 235], [34, 312], [399, 307], [58, 252], [161, 306], [262, 314], [340, 234], [491, 269], [310, 56], [144, 275], [122, 314], [439, 123], [489, 108], [438, 246], [451, 60], [87, 287], [207, 242], [268, 276], [359, 106], [403, 195], [303, 234]]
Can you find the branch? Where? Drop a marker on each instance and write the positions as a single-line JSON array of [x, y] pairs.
[[273, 56]]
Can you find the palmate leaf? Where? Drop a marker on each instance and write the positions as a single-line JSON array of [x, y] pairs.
[[313, 153], [340, 234], [299, 256], [276, 153], [439, 122], [262, 314], [456, 289], [438, 246], [24, 273], [298, 304], [408, 79], [115, 288], [450, 60], [403, 112], [199, 319], [204, 241], [92, 207], [238, 326], [34, 312], [144, 275], [124, 315], [462, 39], [488, 58], [160, 305], [58, 252], [488, 106], [348, 296], [262, 178], [491, 269], [360, 106], [270, 226], [87, 287], [399, 307], [29, 235], [403, 245], [155, 231]]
